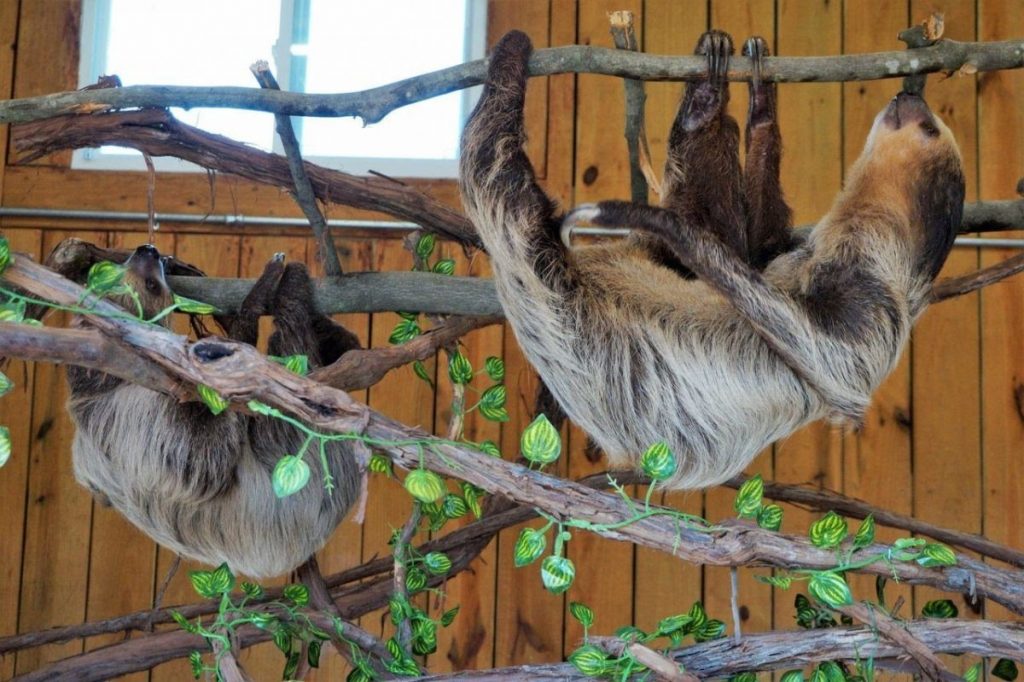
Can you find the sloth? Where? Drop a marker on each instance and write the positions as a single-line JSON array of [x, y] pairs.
[[712, 328], [199, 483]]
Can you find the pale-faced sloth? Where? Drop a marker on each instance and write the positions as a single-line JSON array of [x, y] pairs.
[[772, 333], [201, 484]]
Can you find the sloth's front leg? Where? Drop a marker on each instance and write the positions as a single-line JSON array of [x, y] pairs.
[[245, 326], [768, 215]]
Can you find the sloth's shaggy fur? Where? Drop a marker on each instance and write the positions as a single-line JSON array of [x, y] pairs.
[[771, 334], [200, 484]]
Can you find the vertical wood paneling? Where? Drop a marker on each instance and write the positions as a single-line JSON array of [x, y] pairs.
[[663, 585], [809, 117], [739, 19], [55, 565], [16, 415], [876, 461], [1001, 163]]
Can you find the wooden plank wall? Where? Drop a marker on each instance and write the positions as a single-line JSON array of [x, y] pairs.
[[943, 440]]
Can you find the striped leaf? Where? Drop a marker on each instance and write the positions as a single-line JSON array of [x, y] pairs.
[[5, 253], [437, 563], [425, 486], [495, 368], [1005, 669], [540, 442], [748, 498], [658, 462], [212, 399], [830, 588], [792, 676], [940, 608], [530, 544], [460, 370], [454, 507], [557, 574], [828, 531], [591, 661], [188, 305], [104, 277], [405, 330], [425, 245], [492, 403], [936, 554], [5, 384], [770, 517], [290, 475], [445, 266], [5, 445], [582, 613], [866, 533], [711, 629], [298, 594]]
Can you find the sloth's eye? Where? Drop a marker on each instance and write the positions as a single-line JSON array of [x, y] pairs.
[[929, 129], [152, 286]]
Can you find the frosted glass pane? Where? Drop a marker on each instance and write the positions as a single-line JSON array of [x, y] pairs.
[[196, 42], [354, 45]]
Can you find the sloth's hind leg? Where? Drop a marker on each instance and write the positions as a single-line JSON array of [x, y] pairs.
[[702, 172], [299, 328], [245, 325], [768, 215]]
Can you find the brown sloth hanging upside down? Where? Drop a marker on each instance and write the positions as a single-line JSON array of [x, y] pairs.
[[199, 483], [711, 327]]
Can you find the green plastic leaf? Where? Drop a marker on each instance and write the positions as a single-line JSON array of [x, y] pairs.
[[195, 659], [399, 607], [252, 590], [495, 368], [5, 253], [681, 622], [415, 580], [711, 629], [283, 640], [405, 330], [591, 661], [212, 399], [1005, 669], [940, 608], [630, 633], [5, 445], [540, 442], [202, 583], [290, 475], [909, 543], [743, 677], [297, 594], [380, 464], [830, 588], [448, 617], [792, 676], [104, 277], [489, 447], [582, 613], [460, 370], [530, 545], [425, 486], [313, 654], [973, 673], [188, 305], [782, 582], [749, 496], [936, 554], [437, 563], [472, 495], [445, 266], [697, 614], [264, 621], [222, 580], [832, 671], [557, 573], [770, 517], [658, 462], [296, 364], [828, 531], [425, 246], [866, 533], [424, 637], [454, 507], [13, 311], [5, 384], [420, 370], [260, 408], [818, 675], [492, 403], [182, 622]]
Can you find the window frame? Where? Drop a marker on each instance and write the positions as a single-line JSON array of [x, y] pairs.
[[95, 23]]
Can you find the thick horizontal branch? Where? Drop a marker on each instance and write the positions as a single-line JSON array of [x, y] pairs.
[[373, 104], [797, 649], [157, 133]]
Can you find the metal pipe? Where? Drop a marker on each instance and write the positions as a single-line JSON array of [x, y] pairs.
[[240, 220]]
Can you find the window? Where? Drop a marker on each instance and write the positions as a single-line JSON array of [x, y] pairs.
[[312, 46]]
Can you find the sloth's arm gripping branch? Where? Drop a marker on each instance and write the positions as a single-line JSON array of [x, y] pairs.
[[779, 320]]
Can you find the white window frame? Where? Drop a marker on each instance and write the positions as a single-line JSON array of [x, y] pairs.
[[92, 64]]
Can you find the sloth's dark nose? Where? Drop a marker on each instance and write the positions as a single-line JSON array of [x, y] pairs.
[[147, 251], [906, 108]]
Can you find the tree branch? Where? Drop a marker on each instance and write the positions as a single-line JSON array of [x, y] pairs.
[[373, 104], [958, 286], [896, 632], [303, 188], [624, 36]]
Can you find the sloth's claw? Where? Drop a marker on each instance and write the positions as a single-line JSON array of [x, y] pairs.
[[584, 213]]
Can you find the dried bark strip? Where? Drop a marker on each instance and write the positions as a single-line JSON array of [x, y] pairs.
[[373, 104]]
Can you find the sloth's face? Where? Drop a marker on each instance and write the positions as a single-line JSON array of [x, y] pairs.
[[145, 273]]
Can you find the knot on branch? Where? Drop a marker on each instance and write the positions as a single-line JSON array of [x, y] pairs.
[[211, 351]]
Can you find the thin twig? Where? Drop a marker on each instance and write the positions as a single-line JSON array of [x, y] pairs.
[[373, 104], [302, 191], [958, 286], [624, 36], [734, 603], [158, 600]]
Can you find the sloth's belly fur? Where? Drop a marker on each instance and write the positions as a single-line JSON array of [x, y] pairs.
[[205, 492], [642, 355]]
